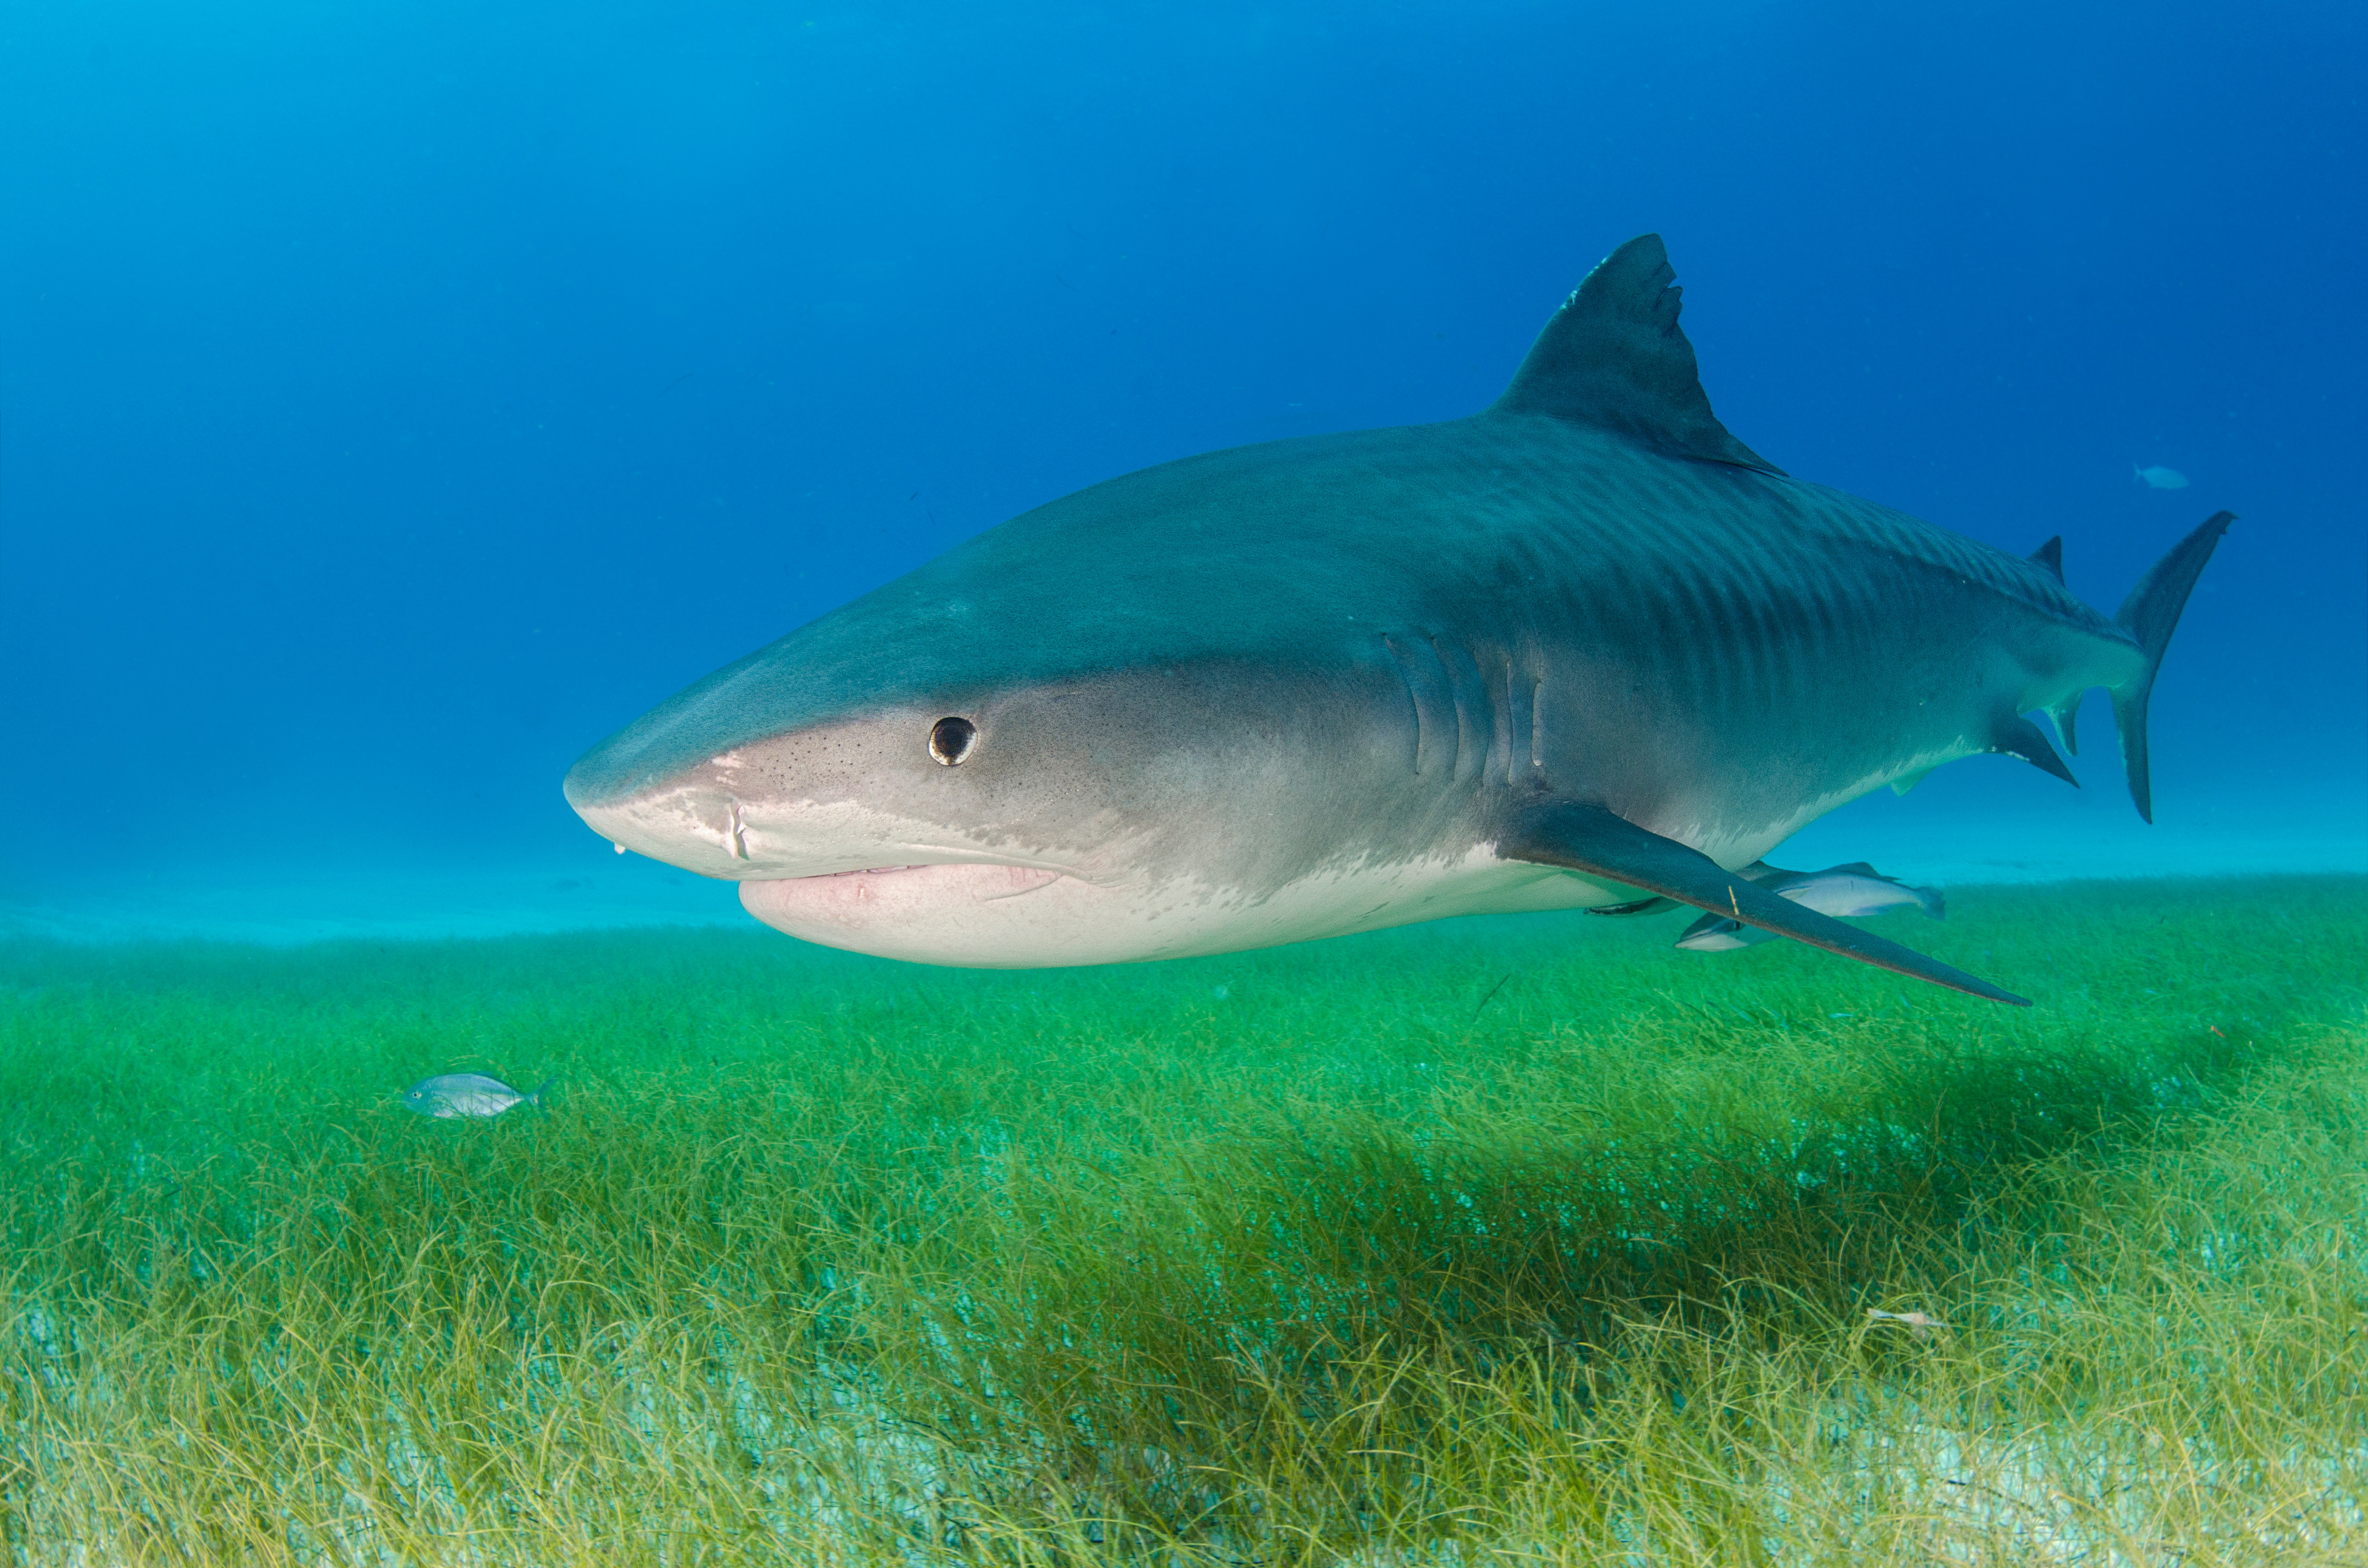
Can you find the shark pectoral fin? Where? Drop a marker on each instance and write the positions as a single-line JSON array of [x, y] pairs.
[[1598, 842], [2017, 736]]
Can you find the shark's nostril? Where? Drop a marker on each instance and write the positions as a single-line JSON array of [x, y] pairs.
[[950, 740]]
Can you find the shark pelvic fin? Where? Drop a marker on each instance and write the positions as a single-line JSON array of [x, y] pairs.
[[2050, 556], [2150, 614], [1907, 781], [1598, 842], [2017, 736], [1614, 358]]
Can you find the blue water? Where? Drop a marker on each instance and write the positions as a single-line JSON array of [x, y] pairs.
[[398, 398]]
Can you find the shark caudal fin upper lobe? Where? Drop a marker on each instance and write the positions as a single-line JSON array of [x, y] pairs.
[[2149, 615]]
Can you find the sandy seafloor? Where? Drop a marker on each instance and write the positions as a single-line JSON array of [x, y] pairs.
[[1962, 831]]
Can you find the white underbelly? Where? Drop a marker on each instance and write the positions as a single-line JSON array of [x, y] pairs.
[[1022, 917]]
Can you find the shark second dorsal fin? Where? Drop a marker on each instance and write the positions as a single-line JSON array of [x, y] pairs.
[[1614, 358]]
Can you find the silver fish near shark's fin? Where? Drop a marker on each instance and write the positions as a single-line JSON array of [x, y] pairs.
[[1855, 889], [2150, 614], [1599, 841], [2050, 556], [1720, 933], [1614, 358]]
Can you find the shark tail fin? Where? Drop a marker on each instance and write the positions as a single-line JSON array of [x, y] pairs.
[[2149, 615]]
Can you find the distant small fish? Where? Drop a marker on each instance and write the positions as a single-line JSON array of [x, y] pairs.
[[2159, 477], [467, 1093], [1853, 890], [1921, 1323]]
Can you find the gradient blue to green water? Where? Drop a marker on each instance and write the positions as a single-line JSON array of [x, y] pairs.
[[395, 399]]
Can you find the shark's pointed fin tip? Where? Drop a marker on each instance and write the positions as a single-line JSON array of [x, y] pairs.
[[1614, 357]]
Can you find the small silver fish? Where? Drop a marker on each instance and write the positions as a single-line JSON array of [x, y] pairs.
[[467, 1093], [1853, 890], [2161, 478]]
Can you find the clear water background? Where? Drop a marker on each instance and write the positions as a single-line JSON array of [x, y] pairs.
[[396, 398]]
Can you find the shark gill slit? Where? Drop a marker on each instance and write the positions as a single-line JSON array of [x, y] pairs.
[[1520, 715], [1471, 701], [1501, 723], [1414, 697], [1456, 701]]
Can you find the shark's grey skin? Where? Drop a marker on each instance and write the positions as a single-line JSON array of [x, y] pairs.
[[1536, 658]]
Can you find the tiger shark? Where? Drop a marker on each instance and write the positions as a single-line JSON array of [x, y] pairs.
[[1583, 648]]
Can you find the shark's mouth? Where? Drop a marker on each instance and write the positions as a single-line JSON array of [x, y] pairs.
[[874, 887], [955, 913], [979, 880]]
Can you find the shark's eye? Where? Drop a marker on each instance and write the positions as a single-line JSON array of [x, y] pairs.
[[950, 740]]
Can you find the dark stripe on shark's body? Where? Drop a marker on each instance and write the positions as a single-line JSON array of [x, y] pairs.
[[1410, 664]]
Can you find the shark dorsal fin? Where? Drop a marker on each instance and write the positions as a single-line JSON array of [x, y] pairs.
[[2051, 556], [1614, 358]]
